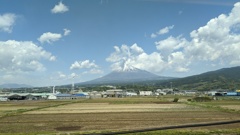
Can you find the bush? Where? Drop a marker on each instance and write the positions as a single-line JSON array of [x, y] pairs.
[[175, 99], [201, 99]]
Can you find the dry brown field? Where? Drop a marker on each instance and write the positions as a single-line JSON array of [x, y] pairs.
[[107, 115]]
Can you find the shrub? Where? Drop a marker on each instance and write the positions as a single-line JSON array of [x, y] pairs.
[[175, 99], [201, 99]]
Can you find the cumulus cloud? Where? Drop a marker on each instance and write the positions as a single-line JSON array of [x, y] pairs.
[[136, 57], [49, 37], [52, 37], [170, 45], [73, 75], [7, 21], [90, 67], [61, 75], [66, 32], [218, 40], [22, 56], [162, 31], [216, 43], [60, 8], [165, 30], [83, 64]]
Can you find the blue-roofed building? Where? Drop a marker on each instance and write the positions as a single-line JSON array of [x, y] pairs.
[[65, 96], [72, 96], [231, 93], [81, 95]]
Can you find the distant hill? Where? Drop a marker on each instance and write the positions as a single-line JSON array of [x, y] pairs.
[[226, 78], [126, 75], [14, 85]]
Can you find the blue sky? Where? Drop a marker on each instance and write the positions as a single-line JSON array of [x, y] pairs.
[[45, 43]]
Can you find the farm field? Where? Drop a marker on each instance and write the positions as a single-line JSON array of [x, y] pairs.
[[115, 114]]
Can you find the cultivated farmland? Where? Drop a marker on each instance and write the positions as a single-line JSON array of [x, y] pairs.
[[114, 114]]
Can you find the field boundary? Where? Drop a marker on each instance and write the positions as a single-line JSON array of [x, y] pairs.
[[21, 111], [169, 127]]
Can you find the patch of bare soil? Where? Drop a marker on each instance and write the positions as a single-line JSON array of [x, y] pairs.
[[72, 128], [105, 107], [30, 123], [234, 107]]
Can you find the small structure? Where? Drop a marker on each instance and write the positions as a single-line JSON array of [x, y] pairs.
[[190, 92], [65, 96], [21, 96], [95, 94], [52, 97], [145, 93], [3, 99], [231, 94], [114, 93], [81, 95], [130, 94]]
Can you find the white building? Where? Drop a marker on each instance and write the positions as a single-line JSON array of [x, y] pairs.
[[52, 97], [131, 94], [145, 93]]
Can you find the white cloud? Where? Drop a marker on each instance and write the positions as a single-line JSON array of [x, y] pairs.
[[162, 31], [165, 30], [60, 8], [218, 40], [135, 56], [153, 35], [49, 37], [73, 75], [66, 32], [22, 56], [216, 43], [61, 75], [83, 64], [170, 45], [178, 62], [7, 21]]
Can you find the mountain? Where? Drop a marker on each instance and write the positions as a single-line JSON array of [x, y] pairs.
[[226, 78], [14, 85], [128, 74]]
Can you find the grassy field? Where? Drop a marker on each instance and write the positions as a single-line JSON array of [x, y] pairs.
[[116, 114]]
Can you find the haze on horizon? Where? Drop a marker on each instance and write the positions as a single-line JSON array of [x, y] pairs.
[[55, 42]]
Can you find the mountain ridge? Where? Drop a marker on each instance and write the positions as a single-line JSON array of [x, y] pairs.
[[126, 75], [14, 85], [224, 78]]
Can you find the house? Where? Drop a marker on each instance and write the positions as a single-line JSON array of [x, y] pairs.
[[95, 94], [114, 93], [190, 92], [145, 93], [130, 94]]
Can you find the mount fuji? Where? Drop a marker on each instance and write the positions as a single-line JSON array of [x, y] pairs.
[[128, 74]]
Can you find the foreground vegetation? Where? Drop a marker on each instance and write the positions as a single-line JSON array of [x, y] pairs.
[[87, 116]]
